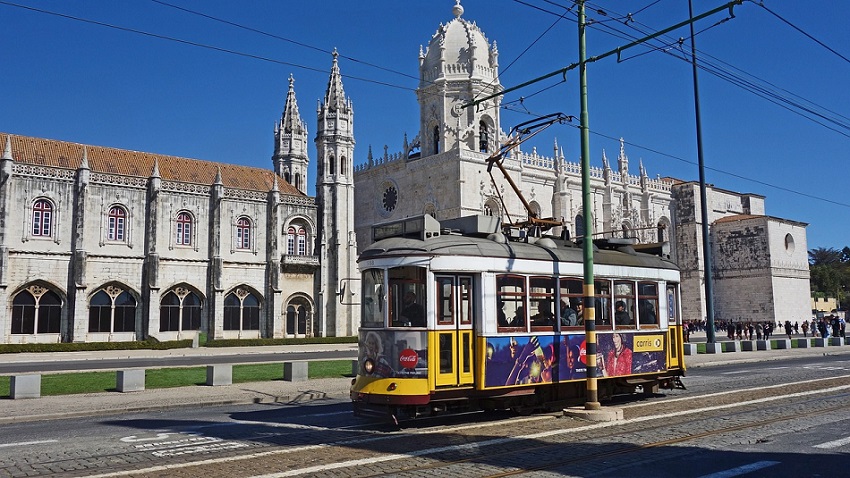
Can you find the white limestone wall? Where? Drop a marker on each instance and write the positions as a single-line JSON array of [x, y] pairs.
[[790, 270]]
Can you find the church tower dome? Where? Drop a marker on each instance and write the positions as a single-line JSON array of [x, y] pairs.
[[458, 66], [459, 50]]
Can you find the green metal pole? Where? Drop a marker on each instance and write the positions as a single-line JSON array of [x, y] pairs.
[[592, 398], [706, 245]]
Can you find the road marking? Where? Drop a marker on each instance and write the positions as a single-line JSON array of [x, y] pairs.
[[481, 444], [741, 470], [833, 444], [26, 443], [736, 373]]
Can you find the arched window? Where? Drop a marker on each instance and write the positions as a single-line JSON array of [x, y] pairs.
[[291, 233], [302, 242], [342, 165], [179, 310], [36, 310], [661, 228], [483, 137], [116, 224], [297, 315], [42, 215], [287, 177], [297, 181], [331, 165], [491, 208], [579, 226], [241, 311], [243, 233], [296, 240], [184, 229], [112, 310], [436, 140]]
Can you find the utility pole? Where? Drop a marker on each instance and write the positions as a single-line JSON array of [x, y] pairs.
[[706, 245], [592, 396]]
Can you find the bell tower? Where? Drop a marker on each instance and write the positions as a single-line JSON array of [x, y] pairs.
[[458, 66], [338, 289], [290, 143]]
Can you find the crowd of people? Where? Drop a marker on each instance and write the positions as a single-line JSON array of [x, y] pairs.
[[825, 327]]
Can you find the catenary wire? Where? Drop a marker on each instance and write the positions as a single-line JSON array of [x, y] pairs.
[[261, 58]]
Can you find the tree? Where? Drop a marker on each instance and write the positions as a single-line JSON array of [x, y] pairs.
[[822, 256], [829, 270]]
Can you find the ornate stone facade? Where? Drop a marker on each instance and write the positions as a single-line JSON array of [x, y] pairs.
[[93, 250], [443, 172]]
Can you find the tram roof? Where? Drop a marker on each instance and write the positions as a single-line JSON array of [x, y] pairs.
[[545, 249]]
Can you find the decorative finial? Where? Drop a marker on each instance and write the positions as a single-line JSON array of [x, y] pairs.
[[291, 80], [457, 10], [84, 163]]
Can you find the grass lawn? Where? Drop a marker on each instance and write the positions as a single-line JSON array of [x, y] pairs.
[[92, 382]]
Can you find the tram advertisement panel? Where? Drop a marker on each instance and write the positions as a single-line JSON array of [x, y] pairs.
[[545, 358], [395, 354]]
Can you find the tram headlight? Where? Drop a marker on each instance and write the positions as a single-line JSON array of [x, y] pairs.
[[369, 366]]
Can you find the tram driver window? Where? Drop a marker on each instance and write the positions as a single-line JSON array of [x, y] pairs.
[[407, 297], [510, 302], [372, 308]]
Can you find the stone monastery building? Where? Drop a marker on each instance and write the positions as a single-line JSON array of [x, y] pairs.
[[101, 244]]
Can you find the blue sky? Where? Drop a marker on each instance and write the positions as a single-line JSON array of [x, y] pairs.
[[67, 79]]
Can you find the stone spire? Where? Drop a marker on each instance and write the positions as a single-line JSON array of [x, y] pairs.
[[335, 95], [623, 161], [290, 150]]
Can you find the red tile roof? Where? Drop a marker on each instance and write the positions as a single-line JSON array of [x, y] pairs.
[[62, 154]]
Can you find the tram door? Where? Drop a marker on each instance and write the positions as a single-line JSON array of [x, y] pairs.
[[674, 328], [453, 337]]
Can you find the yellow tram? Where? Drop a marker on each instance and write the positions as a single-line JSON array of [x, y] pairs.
[[457, 315]]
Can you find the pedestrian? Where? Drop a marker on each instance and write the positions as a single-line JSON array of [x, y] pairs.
[[796, 327], [805, 328], [788, 328], [750, 330], [739, 329]]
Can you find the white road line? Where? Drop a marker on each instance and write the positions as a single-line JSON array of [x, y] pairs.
[[737, 373], [26, 443], [742, 470], [481, 444], [833, 444]]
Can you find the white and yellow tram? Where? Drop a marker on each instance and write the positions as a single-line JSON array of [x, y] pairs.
[[457, 316]]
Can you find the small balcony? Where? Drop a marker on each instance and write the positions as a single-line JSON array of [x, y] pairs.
[[299, 264]]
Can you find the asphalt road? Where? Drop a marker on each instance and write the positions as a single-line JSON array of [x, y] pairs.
[[783, 419]]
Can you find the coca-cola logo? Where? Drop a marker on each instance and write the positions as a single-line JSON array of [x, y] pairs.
[[408, 358]]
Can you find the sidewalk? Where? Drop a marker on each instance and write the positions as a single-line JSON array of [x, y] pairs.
[[277, 391]]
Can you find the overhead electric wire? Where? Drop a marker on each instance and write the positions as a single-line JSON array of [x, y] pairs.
[[716, 170], [190, 43], [271, 60], [795, 27], [278, 37]]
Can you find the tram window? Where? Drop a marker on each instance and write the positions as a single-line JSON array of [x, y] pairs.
[[510, 297], [445, 300], [407, 297], [542, 296], [372, 309], [571, 309], [465, 310], [647, 303], [602, 301], [624, 304]]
